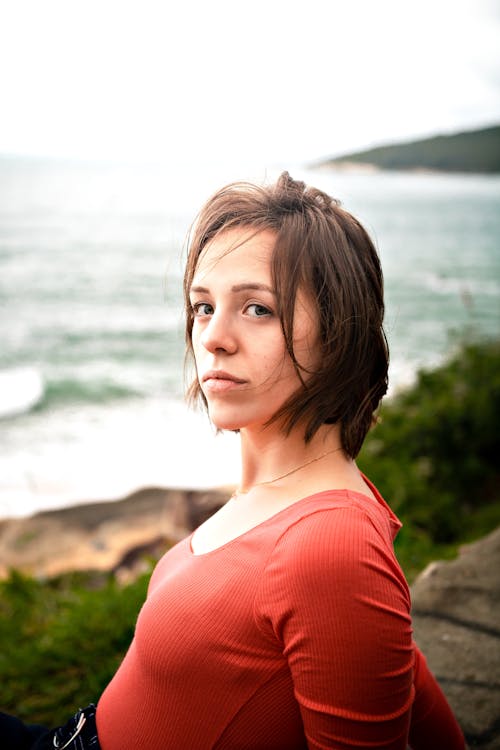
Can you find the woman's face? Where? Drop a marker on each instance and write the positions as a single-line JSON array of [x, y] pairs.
[[242, 364]]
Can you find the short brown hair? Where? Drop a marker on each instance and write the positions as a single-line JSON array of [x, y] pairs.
[[324, 249]]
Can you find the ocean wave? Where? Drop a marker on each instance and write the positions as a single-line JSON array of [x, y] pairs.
[[21, 390], [24, 389], [446, 285], [67, 391]]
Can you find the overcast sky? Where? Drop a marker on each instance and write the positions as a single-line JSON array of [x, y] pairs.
[[265, 80]]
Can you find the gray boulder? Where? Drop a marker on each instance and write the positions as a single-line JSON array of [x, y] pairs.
[[456, 619]]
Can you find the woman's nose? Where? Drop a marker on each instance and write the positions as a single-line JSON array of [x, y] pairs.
[[219, 334]]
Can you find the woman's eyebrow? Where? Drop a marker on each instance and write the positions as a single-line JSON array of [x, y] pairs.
[[246, 285], [199, 290], [253, 286]]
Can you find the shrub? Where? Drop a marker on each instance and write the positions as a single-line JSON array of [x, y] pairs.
[[65, 642], [434, 454]]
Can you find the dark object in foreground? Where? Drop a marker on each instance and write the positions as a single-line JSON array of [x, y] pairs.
[[79, 733]]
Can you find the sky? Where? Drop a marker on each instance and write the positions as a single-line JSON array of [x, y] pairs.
[[269, 81]]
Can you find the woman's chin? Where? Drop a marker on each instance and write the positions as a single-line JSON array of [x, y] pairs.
[[227, 425], [228, 421]]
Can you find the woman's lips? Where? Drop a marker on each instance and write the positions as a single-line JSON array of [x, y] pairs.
[[219, 381]]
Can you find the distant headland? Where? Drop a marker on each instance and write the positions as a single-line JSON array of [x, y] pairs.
[[473, 151]]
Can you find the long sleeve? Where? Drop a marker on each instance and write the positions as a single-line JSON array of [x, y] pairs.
[[335, 597], [433, 726]]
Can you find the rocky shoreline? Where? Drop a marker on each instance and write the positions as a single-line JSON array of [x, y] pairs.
[[104, 536], [456, 604]]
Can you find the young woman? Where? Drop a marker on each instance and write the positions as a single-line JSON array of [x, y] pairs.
[[283, 622]]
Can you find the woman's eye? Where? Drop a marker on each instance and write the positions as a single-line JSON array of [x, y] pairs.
[[200, 309], [258, 311]]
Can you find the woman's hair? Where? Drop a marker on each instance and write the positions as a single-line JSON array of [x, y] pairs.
[[325, 250]]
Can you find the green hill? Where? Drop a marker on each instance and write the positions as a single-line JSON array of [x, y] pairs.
[[470, 151]]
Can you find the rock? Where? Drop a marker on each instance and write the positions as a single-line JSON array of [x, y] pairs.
[[103, 536], [456, 619]]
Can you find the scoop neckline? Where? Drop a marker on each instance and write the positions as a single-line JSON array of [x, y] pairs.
[[376, 502]]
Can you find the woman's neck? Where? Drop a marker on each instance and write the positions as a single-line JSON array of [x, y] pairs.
[[269, 455]]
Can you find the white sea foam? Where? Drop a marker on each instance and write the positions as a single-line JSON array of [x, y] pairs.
[[73, 456], [21, 388], [460, 286]]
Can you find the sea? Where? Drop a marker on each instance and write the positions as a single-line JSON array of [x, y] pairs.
[[92, 373]]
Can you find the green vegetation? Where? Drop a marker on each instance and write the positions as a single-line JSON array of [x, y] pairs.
[[434, 458], [470, 151], [62, 641]]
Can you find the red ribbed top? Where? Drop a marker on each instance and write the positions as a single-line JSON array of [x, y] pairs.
[[296, 634]]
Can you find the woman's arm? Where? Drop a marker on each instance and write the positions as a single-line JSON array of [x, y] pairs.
[[433, 725], [339, 606]]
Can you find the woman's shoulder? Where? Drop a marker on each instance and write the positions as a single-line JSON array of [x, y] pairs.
[[334, 543], [331, 533], [339, 510]]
